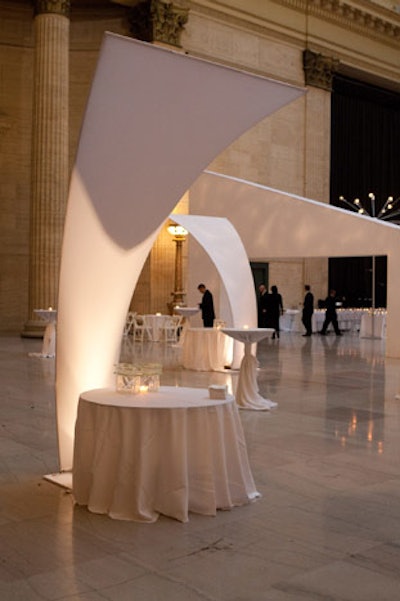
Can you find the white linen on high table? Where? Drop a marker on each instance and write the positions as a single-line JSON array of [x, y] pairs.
[[155, 324], [247, 394], [49, 337], [288, 322], [373, 325], [187, 311], [167, 452], [206, 349]]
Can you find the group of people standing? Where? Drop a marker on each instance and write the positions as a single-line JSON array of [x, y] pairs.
[[271, 308]]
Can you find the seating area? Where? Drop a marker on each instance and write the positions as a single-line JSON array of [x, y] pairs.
[[153, 328]]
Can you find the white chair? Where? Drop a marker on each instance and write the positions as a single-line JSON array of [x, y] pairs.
[[128, 328], [171, 328], [140, 328]]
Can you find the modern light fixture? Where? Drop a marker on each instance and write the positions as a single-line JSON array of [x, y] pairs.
[[179, 236], [389, 211]]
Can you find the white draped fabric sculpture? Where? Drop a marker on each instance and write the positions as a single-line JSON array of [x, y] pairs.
[[300, 227], [154, 120]]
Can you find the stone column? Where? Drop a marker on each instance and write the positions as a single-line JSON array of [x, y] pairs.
[[318, 72], [50, 168]]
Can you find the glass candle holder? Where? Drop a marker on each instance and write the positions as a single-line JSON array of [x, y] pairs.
[[128, 383]]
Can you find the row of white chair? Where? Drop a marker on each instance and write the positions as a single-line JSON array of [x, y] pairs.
[[139, 328]]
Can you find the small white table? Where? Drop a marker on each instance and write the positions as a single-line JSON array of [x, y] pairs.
[[247, 394], [373, 325], [155, 324], [49, 337], [288, 319], [206, 349], [167, 452], [187, 313]]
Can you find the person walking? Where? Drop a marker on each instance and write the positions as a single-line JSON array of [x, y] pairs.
[[330, 314], [308, 310], [206, 306]]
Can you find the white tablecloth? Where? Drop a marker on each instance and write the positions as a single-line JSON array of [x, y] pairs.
[[206, 349], [373, 326], [348, 319], [289, 321], [247, 394], [155, 324], [168, 452], [49, 337]]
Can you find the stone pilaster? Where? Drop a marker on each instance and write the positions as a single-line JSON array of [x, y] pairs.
[[50, 168], [158, 21], [319, 69]]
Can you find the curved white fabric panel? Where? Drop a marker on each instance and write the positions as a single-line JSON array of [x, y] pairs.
[[276, 224], [154, 120], [222, 243]]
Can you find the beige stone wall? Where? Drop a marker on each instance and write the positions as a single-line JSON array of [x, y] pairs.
[[290, 149]]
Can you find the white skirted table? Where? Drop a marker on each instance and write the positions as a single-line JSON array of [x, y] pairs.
[[206, 349], [187, 313], [373, 324], [288, 320], [49, 337], [155, 324], [166, 452], [247, 394]]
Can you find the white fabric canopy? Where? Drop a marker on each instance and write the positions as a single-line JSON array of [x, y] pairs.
[[276, 224], [222, 243], [154, 120]]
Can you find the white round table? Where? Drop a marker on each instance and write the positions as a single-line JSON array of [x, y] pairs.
[[247, 394], [49, 337], [187, 313], [206, 349], [168, 452]]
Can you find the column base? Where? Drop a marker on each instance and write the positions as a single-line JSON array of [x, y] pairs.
[[33, 329]]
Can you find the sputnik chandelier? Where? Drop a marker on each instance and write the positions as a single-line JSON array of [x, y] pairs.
[[389, 211]]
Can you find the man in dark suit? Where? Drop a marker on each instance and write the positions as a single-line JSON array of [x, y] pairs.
[[308, 310], [262, 306], [330, 314], [206, 306]]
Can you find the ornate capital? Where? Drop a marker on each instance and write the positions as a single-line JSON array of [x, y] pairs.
[[58, 7], [319, 69], [158, 21]]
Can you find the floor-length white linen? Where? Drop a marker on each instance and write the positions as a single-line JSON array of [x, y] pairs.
[[247, 393], [169, 452], [156, 323], [49, 337], [373, 325], [206, 349]]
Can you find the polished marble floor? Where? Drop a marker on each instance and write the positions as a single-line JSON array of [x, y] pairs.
[[326, 462]]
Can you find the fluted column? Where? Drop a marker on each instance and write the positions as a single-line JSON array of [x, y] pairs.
[[50, 169]]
